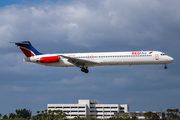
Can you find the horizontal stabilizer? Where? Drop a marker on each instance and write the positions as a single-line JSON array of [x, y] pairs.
[[27, 48]]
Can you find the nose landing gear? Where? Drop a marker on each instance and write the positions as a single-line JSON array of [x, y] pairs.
[[165, 67], [84, 70]]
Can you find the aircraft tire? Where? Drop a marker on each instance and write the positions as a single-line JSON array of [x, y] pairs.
[[86, 71], [83, 69]]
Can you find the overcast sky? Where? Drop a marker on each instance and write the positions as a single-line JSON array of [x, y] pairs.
[[64, 26]]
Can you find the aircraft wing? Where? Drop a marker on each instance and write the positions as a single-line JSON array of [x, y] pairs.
[[79, 62]]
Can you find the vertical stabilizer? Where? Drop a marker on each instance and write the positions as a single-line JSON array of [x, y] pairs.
[[27, 48]]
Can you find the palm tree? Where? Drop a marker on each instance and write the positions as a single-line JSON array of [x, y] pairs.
[[176, 113], [168, 114], [49, 113], [38, 112], [42, 114], [45, 111], [45, 114], [176, 110]]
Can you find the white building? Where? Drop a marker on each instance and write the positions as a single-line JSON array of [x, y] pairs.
[[89, 107]]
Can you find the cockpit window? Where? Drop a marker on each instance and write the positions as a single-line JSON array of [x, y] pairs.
[[162, 54]]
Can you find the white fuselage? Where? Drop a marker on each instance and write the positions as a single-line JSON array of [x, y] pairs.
[[108, 58]]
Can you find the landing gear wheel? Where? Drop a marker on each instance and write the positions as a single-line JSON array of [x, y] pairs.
[[165, 67], [84, 70]]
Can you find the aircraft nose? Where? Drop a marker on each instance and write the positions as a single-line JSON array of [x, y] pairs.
[[171, 59]]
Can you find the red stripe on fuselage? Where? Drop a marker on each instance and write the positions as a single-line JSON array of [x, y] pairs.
[[50, 59], [27, 52]]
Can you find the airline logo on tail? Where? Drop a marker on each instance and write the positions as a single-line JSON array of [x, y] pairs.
[[27, 48]]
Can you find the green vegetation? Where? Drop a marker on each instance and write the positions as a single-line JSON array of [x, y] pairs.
[[173, 114], [88, 117], [50, 115], [124, 117], [23, 114], [151, 116]]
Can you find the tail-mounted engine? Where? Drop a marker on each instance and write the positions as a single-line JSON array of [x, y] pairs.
[[50, 59]]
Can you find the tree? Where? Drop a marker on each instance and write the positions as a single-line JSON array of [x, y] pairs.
[[125, 117], [49, 113], [38, 112], [5, 116], [116, 118], [23, 113], [0, 115], [77, 118], [19, 115], [134, 118], [151, 116], [168, 114], [12, 115], [172, 114], [42, 115], [34, 117], [176, 113], [155, 116]]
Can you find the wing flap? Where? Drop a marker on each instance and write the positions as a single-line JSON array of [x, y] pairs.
[[79, 62]]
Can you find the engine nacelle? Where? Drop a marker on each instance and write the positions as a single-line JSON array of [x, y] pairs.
[[50, 59]]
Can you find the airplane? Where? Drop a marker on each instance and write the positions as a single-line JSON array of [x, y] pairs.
[[85, 60]]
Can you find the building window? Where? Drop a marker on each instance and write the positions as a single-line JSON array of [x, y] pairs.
[[114, 107], [121, 108], [98, 107], [81, 111], [51, 107], [58, 107], [66, 107], [74, 111], [106, 107], [92, 111], [99, 111], [74, 107], [113, 111], [65, 111], [92, 103], [81, 107]]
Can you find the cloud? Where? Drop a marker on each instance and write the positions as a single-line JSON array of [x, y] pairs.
[[13, 88], [41, 98], [18, 88], [75, 80], [87, 26], [123, 81], [90, 26]]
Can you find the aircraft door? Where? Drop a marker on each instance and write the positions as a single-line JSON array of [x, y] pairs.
[[156, 56]]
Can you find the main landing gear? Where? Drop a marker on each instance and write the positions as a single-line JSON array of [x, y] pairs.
[[84, 70], [165, 67]]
